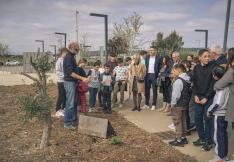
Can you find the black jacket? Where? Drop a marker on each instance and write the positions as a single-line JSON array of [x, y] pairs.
[[203, 81]]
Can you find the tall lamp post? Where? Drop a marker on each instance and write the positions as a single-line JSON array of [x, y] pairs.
[[42, 43], [106, 30], [65, 37], [226, 25], [206, 35]]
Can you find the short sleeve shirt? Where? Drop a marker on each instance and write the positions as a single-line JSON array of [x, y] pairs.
[[120, 73]]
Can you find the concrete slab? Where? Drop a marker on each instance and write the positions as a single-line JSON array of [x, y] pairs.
[[93, 126]]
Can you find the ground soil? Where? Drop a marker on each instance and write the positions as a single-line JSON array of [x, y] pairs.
[[20, 142]]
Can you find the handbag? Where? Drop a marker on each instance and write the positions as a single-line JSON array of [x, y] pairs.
[[82, 87], [139, 80]]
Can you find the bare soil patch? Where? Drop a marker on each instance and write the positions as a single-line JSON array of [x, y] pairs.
[[20, 142]]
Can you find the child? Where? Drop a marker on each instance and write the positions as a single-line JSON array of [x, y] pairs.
[[93, 85], [137, 84], [61, 100], [121, 76], [218, 110], [179, 103], [106, 80], [101, 70], [203, 84], [81, 97]]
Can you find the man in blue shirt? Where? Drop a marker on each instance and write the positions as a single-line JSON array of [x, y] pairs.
[[70, 80]]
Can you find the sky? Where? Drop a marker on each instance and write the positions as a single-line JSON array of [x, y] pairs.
[[24, 21]]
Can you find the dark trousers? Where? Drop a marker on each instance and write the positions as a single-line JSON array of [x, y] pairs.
[[166, 90], [106, 101], [220, 136], [61, 100], [150, 81], [100, 98], [92, 96], [203, 123], [136, 99]]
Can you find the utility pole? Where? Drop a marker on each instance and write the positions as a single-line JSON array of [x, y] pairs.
[[77, 28], [226, 25]]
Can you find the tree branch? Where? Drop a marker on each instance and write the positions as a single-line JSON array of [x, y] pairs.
[[30, 77], [35, 68]]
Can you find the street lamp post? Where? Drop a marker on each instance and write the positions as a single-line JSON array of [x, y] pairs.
[[54, 49], [206, 35], [106, 30], [43, 44], [226, 25], [65, 37]]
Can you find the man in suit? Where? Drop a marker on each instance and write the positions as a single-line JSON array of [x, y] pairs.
[[152, 64]]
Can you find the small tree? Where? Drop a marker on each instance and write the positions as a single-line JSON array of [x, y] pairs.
[[39, 106], [129, 32], [172, 42], [118, 45], [4, 48]]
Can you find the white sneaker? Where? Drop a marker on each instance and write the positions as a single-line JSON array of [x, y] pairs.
[[120, 105], [61, 112], [90, 110], [145, 107], [172, 126], [153, 108], [58, 114]]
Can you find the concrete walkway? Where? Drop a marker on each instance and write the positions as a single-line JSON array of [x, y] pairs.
[[155, 122]]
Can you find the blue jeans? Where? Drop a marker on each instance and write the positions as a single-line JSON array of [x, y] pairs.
[[70, 116], [203, 123], [92, 96]]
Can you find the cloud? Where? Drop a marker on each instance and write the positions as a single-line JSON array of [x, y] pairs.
[[21, 22], [163, 16]]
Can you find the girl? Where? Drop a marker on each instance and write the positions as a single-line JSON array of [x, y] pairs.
[[137, 75], [81, 97]]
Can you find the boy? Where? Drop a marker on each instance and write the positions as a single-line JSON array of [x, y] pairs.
[[106, 80], [121, 76], [203, 83], [93, 85], [181, 94], [218, 110]]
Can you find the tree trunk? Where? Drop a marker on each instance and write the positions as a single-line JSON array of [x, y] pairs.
[[46, 131]]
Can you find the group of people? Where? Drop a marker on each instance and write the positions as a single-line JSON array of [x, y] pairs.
[[197, 92]]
